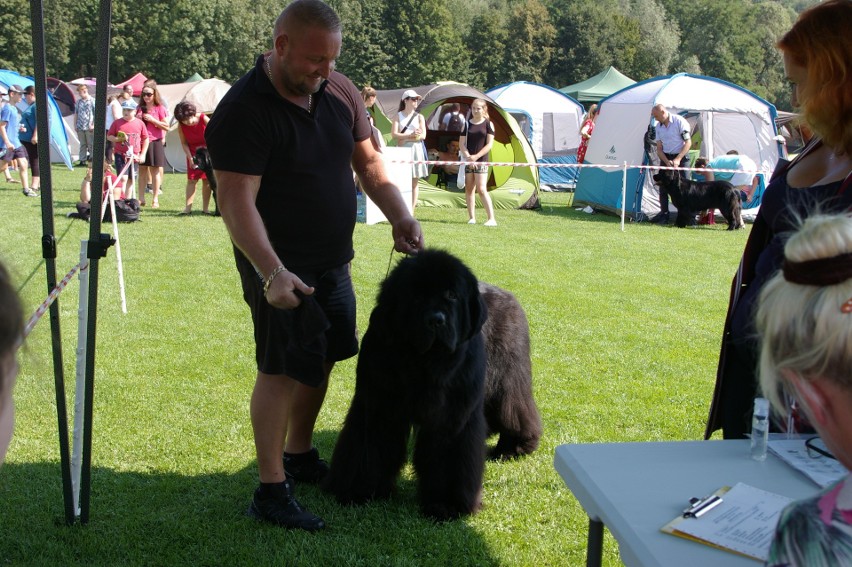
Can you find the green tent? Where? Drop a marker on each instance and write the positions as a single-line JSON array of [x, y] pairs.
[[510, 187], [598, 87], [194, 78]]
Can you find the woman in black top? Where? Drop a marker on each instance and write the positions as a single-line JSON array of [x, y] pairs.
[[475, 143]]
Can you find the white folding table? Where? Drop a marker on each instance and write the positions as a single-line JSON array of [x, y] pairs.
[[636, 488]]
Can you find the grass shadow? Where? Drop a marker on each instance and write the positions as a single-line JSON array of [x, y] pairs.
[[163, 518]]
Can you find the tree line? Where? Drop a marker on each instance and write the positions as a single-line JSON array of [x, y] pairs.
[[402, 43]]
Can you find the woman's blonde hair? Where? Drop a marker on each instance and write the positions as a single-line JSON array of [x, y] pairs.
[[806, 327], [484, 104], [368, 91], [819, 41]]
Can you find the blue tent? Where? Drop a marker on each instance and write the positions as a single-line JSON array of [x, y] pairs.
[[58, 138]]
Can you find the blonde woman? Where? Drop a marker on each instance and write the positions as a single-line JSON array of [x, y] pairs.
[[475, 143], [805, 324], [409, 130]]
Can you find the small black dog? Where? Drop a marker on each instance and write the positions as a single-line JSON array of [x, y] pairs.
[[202, 160], [692, 196]]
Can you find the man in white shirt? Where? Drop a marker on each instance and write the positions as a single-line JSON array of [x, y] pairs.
[[673, 144]]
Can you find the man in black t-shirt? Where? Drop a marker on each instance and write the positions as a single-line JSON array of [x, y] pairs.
[[283, 142]]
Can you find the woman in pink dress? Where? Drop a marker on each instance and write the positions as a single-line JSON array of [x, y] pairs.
[[586, 132], [191, 132], [156, 118]]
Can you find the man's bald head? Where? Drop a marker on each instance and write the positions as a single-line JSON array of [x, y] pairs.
[[302, 14]]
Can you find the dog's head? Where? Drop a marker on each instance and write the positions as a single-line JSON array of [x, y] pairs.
[[202, 159], [670, 179], [430, 301]]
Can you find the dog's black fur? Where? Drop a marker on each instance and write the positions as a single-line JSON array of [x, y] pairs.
[[423, 365], [510, 409], [204, 162], [691, 197]]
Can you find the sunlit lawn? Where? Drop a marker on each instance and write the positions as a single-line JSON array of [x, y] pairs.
[[625, 334]]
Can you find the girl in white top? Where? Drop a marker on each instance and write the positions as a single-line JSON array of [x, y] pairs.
[[409, 129]]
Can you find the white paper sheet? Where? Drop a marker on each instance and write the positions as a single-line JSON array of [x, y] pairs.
[[744, 522], [823, 471]]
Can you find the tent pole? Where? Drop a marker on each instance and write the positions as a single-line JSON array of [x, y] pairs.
[[80, 377], [623, 194], [48, 248], [97, 248]]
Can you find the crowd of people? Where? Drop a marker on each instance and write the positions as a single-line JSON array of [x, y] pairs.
[[134, 142]]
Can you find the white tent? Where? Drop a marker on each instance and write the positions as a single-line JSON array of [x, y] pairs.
[[724, 117], [551, 122], [205, 94]]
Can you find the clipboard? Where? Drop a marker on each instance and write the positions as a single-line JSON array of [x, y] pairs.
[[742, 523]]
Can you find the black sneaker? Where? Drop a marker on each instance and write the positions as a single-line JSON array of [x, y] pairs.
[[280, 507], [305, 467], [660, 218]]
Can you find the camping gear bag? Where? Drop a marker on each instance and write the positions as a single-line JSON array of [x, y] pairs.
[[126, 210]]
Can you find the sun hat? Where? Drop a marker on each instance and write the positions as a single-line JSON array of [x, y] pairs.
[[410, 93], [128, 105]]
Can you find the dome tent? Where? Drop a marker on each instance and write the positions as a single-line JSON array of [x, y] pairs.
[[726, 116], [510, 187], [550, 120], [58, 137]]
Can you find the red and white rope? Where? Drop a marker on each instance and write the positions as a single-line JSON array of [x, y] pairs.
[[51, 297], [568, 165]]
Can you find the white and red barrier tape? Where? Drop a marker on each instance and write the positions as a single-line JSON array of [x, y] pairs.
[[54, 293], [569, 165]]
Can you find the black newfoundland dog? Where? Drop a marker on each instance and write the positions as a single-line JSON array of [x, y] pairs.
[[690, 197], [450, 362]]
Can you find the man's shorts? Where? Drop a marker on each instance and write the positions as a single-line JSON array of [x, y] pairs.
[[18, 153], [476, 169], [298, 342]]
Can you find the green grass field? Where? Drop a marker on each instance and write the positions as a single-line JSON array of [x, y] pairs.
[[625, 334]]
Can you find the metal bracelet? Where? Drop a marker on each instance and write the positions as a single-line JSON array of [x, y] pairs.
[[271, 277]]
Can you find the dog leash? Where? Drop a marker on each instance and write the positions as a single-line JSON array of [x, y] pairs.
[[390, 260]]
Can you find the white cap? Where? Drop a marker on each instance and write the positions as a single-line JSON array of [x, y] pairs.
[[410, 93]]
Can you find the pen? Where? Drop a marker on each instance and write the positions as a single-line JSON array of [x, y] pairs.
[[702, 506]]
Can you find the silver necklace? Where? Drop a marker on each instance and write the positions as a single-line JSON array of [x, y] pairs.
[[269, 74]]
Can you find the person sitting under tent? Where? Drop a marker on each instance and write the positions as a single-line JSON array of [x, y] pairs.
[[745, 180], [446, 173]]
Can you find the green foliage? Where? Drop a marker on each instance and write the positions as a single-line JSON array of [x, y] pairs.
[[488, 37], [592, 36], [625, 331], [529, 46], [658, 39], [412, 42]]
